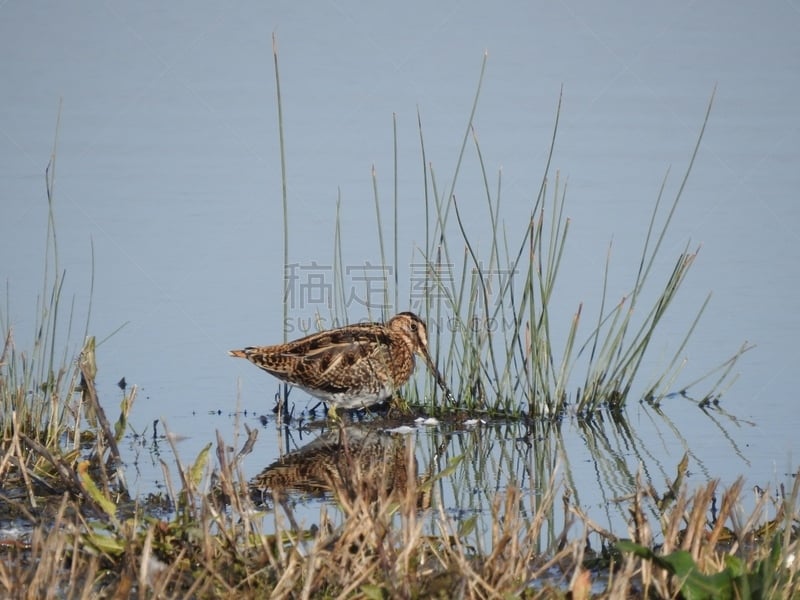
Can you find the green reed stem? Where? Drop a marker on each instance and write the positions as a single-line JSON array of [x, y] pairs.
[[376, 196], [285, 205], [284, 186], [395, 203]]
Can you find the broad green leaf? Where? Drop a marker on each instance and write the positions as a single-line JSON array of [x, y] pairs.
[[105, 543], [694, 584], [122, 422], [373, 592], [95, 493], [199, 466]]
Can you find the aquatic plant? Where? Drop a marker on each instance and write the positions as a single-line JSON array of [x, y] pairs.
[[496, 337], [514, 367]]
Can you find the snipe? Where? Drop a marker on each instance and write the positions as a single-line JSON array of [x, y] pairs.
[[353, 366], [351, 460]]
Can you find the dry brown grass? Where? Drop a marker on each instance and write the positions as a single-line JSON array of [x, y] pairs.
[[377, 543]]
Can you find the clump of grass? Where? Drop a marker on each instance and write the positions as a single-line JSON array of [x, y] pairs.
[[503, 345], [31, 384], [494, 334], [54, 429], [711, 551]]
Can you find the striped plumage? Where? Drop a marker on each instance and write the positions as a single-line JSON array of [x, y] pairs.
[[327, 462], [353, 366]]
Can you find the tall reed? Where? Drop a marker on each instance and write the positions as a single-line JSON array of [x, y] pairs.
[[494, 334], [501, 352]]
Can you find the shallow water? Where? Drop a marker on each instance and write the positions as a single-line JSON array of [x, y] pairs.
[[168, 167]]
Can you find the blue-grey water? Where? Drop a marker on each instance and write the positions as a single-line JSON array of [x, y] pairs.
[[168, 173]]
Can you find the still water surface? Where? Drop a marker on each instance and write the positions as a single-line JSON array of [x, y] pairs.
[[168, 166]]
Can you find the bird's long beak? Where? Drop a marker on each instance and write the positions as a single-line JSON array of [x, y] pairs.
[[439, 379]]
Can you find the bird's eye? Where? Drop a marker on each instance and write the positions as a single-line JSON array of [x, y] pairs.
[[413, 327]]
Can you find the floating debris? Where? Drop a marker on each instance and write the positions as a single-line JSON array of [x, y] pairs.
[[402, 429]]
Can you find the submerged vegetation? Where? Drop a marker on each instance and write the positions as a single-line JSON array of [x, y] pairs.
[[69, 529]]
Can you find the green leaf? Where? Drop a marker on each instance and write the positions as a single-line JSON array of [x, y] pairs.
[[199, 466], [124, 411], [95, 493], [694, 584], [467, 526], [635, 549], [104, 542], [452, 465], [374, 592]]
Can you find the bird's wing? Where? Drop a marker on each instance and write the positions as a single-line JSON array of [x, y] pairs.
[[355, 340]]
